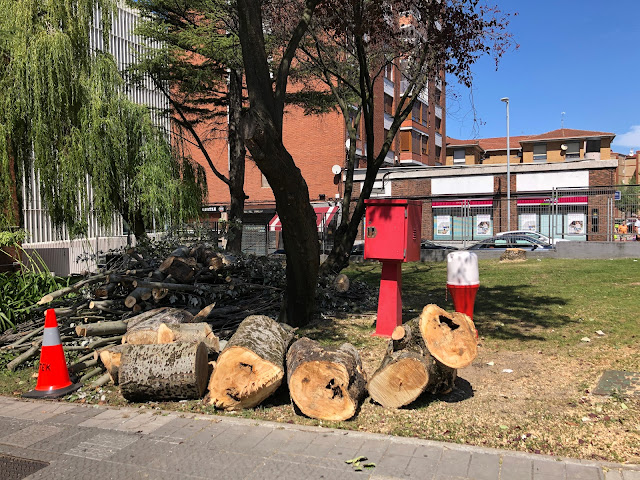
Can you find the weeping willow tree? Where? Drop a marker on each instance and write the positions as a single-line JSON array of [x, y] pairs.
[[64, 114]]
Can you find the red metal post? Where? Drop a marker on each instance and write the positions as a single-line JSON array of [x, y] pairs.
[[390, 299]]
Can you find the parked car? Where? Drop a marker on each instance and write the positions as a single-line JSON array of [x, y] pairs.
[[358, 249], [429, 245], [511, 240], [536, 235]]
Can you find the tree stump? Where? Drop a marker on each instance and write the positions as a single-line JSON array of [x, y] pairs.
[[513, 255], [450, 337], [408, 370], [251, 367], [325, 383], [174, 371]]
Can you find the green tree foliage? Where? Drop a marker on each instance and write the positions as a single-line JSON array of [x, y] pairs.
[[193, 47], [64, 114]]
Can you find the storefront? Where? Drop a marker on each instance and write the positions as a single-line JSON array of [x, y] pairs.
[[561, 218], [463, 219]]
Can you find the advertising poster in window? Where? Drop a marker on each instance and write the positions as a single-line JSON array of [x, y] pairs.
[[483, 224], [443, 225], [529, 222], [576, 223]]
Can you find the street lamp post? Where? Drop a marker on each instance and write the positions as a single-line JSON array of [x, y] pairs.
[[506, 100]]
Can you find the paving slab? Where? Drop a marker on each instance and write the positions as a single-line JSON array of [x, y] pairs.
[[87, 442]]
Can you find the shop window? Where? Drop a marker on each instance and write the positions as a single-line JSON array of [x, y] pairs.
[[540, 153], [459, 156]]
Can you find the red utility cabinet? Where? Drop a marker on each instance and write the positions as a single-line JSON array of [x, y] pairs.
[[392, 230], [392, 235]]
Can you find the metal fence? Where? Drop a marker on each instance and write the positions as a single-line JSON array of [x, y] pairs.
[[605, 214]]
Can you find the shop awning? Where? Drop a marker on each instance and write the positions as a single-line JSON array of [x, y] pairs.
[[572, 200], [324, 215]]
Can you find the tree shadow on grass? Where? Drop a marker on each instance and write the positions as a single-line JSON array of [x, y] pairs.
[[462, 391], [501, 312]]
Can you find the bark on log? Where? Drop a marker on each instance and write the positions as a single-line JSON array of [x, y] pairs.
[[137, 295], [189, 332], [175, 371], [408, 370], [111, 358], [70, 289], [101, 380], [102, 328], [450, 337], [104, 291], [251, 367], [327, 384], [143, 329], [180, 268], [19, 360], [23, 339]]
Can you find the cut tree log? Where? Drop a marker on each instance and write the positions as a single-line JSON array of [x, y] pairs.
[[143, 329], [189, 332], [101, 328], [183, 269], [136, 296], [408, 369], [111, 357], [105, 291], [251, 367], [450, 337], [327, 384], [70, 289], [173, 371]]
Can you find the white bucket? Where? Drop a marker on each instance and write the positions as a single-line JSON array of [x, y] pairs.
[[462, 269]]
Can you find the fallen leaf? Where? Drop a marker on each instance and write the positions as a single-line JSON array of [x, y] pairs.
[[491, 364], [585, 339], [356, 460], [600, 332], [503, 427]]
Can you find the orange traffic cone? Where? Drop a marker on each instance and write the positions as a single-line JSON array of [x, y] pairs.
[[53, 376]]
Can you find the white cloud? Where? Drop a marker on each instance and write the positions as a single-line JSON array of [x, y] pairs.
[[630, 139]]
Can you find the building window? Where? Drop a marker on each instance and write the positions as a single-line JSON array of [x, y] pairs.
[[264, 184], [415, 112], [388, 104], [573, 150], [438, 124], [425, 114], [415, 142], [425, 145], [593, 146], [540, 153], [405, 141], [388, 71], [459, 156]]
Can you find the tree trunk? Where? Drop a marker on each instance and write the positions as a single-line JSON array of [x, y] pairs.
[[262, 131], [450, 337], [408, 369], [326, 384], [237, 163], [174, 371], [251, 367], [189, 332]]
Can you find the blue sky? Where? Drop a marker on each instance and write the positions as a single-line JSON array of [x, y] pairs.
[[581, 57]]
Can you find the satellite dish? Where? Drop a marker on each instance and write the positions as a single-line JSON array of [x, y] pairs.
[[563, 147], [336, 169]]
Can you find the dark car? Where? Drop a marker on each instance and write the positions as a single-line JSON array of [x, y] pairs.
[[428, 245], [502, 242]]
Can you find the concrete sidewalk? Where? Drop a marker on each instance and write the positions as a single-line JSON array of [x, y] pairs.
[[53, 440]]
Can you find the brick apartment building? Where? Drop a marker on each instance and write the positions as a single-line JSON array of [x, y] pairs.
[[317, 144]]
